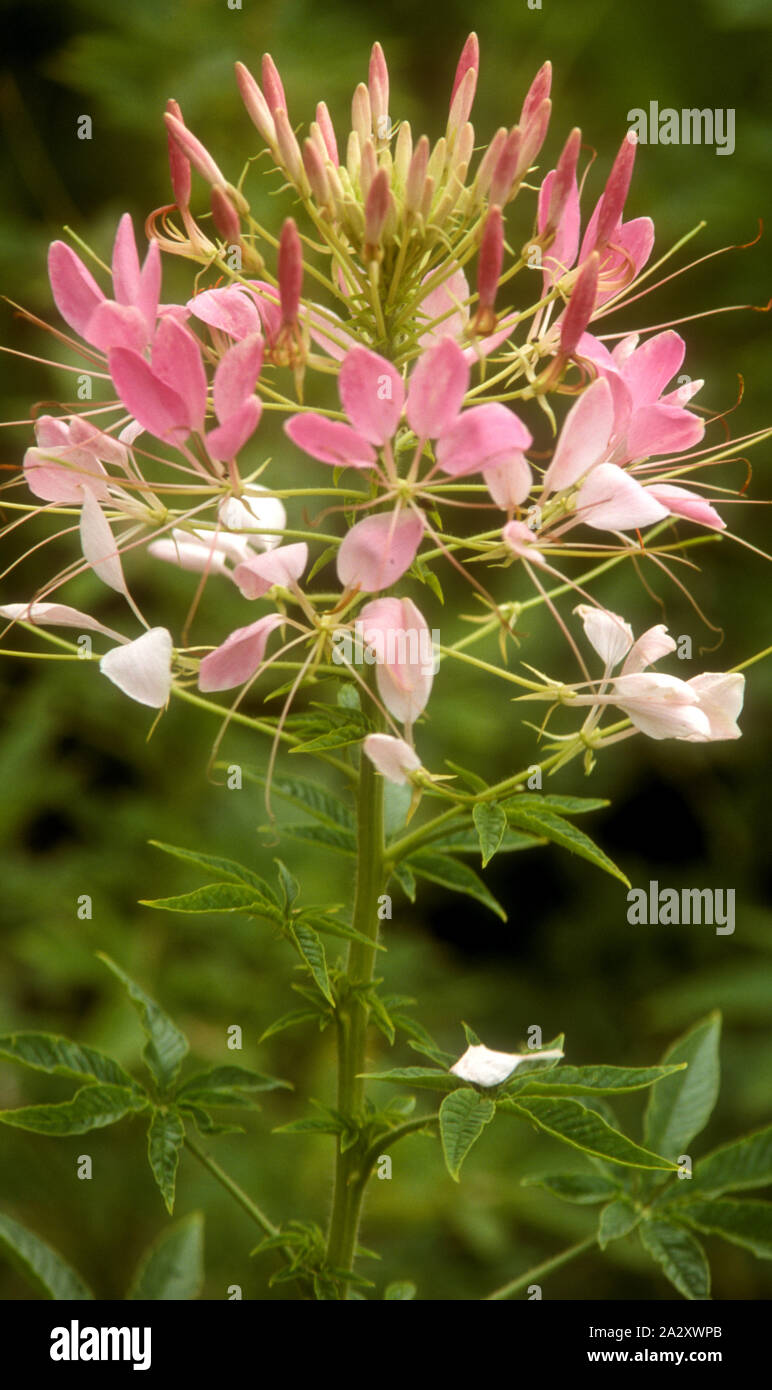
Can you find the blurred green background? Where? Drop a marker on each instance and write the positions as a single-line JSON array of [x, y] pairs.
[[82, 791]]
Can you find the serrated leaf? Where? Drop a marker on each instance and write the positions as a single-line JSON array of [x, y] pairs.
[[680, 1256], [227, 868], [343, 726], [744, 1222], [560, 805], [400, 1291], [381, 1017], [563, 833], [745, 1163], [406, 880], [584, 1189], [173, 1266], [314, 1124], [680, 1107], [618, 1219], [218, 897], [311, 950], [226, 1078], [288, 884], [596, 1080], [576, 1124], [165, 1137], [342, 841], [466, 841], [490, 824], [463, 1117], [290, 1020], [204, 1122], [348, 696], [334, 926], [92, 1107], [166, 1044], [450, 873], [40, 1264], [61, 1057], [424, 1078]]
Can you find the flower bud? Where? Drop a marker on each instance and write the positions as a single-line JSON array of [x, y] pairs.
[[256, 105], [328, 132], [179, 164], [580, 306], [272, 85]]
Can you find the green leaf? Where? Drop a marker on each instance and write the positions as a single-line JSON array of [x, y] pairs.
[[423, 1078], [745, 1222], [321, 560], [288, 884], [581, 1188], [681, 1257], [745, 1163], [400, 1291], [165, 1137], [291, 1020], [343, 841], [218, 897], [562, 832], [337, 727], [311, 951], [560, 805], [490, 823], [396, 804], [40, 1265], [465, 840], [582, 1128], [314, 1124], [61, 1057], [680, 1107], [173, 1266], [463, 1117], [406, 880], [334, 926], [166, 1045], [227, 868], [312, 797], [596, 1080], [225, 1078], [618, 1219], [205, 1124], [92, 1107], [449, 873]]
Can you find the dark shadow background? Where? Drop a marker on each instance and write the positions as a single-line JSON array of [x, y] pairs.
[[82, 792]]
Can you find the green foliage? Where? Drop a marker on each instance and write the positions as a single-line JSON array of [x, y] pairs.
[[463, 1117], [679, 1109], [173, 1266], [166, 1045], [680, 1256], [39, 1264], [165, 1137]]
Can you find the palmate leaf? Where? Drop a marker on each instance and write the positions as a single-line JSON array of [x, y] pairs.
[[465, 840], [680, 1107], [61, 1057], [307, 796], [173, 1266], [166, 1045], [558, 805], [450, 873], [463, 1117], [328, 836], [554, 827], [680, 1256], [40, 1265], [574, 1123], [92, 1107], [165, 1137]]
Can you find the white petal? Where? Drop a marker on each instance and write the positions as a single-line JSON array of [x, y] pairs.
[[98, 544], [142, 669], [609, 634], [486, 1068], [55, 615]]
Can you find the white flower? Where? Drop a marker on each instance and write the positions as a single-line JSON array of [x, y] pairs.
[[486, 1068]]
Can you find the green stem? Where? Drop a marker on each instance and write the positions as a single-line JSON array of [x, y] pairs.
[[238, 1193], [352, 1017], [532, 1276]]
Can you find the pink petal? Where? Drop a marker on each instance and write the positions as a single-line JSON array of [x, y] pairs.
[[404, 660], [65, 481], [661, 706], [239, 656], [125, 262], [98, 545], [371, 394], [255, 576], [330, 440], [176, 361], [378, 550], [479, 437], [584, 438], [117, 326], [142, 669], [650, 646], [509, 481], [392, 757], [651, 366], [609, 634], [560, 255], [102, 446], [156, 407], [447, 302], [721, 699], [520, 539], [190, 552], [76, 292], [662, 429], [328, 331], [149, 289], [680, 502], [55, 615], [439, 382], [224, 441], [611, 500], [230, 309], [236, 376], [628, 253]]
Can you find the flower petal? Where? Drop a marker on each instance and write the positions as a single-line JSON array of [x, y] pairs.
[[378, 550], [236, 376], [176, 361], [256, 575], [393, 758], [117, 325], [157, 407], [680, 502], [611, 500], [55, 615], [142, 669], [662, 429], [609, 634], [398, 633], [438, 384], [649, 647], [98, 544], [584, 438], [76, 292], [371, 394], [224, 441], [661, 706], [486, 434], [231, 309], [721, 699], [509, 480], [239, 656], [330, 440]]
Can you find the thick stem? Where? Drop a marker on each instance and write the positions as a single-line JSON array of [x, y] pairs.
[[352, 1017]]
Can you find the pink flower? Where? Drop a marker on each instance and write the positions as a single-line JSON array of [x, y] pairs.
[[236, 407], [168, 394], [128, 320], [393, 758], [645, 421], [259, 573], [239, 657], [377, 551], [398, 635], [68, 459]]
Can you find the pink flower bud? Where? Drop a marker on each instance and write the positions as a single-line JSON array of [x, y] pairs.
[[489, 161], [462, 103], [538, 90], [288, 147], [377, 208], [416, 177], [199, 157], [290, 271], [361, 113], [564, 180], [328, 132], [469, 61], [316, 174], [179, 164], [224, 216], [392, 757], [272, 85], [615, 192], [580, 306], [257, 107], [534, 134], [489, 270], [378, 86], [507, 165]]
